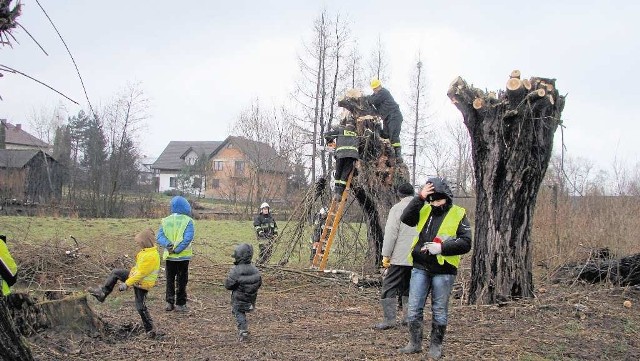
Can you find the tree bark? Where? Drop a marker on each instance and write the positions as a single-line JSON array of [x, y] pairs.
[[512, 140], [12, 346]]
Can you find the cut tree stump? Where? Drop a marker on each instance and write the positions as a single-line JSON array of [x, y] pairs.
[[71, 313], [512, 139]]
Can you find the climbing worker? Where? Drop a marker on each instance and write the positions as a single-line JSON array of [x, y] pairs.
[[266, 231], [346, 153], [389, 111], [8, 267], [396, 247], [444, 234]]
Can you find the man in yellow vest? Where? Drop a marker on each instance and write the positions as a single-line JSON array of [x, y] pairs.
[[444, 233], [175, 236], [8, 267]]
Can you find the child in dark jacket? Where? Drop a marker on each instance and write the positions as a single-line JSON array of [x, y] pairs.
[[243, 280]]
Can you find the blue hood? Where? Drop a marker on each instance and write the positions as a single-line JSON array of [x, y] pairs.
[[180, 205]]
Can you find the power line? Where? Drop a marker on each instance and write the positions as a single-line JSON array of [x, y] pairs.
[[70, 55]]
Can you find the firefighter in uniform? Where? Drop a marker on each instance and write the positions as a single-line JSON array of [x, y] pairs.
[[266, 231], [346, 154], [389, 111]]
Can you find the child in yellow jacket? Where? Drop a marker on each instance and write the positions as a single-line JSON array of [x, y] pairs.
[[142, 277]]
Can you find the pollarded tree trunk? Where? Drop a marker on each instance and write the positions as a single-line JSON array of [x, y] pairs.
[[12, 347], [512, 139]]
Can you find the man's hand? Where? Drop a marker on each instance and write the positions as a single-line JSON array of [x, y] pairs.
[[386, 262], [170, 248], [122, 287], [261, 233], [434, 248], [426, 190]]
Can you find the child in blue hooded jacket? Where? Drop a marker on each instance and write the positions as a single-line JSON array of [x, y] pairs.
[[175, 236]]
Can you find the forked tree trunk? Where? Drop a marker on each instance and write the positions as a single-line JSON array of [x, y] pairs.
[[512, 139]]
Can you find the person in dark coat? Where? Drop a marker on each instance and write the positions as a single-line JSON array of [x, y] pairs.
[[444, 234], [389, 111], [266, 232], [346, 154], [243, 280]]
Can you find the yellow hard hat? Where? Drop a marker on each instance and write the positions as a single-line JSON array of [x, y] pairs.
[[375, 83]]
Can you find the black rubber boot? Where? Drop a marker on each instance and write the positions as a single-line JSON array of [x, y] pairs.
[[389, 309], [437, 336], [398, 154], [415, 338], [405, 310], [98, 293]]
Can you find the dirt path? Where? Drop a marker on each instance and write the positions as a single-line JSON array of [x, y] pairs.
[[305, 318]]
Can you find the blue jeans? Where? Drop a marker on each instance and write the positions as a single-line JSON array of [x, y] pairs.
[[422, 283]]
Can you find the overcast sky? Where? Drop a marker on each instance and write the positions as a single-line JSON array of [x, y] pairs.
[[201, 62]]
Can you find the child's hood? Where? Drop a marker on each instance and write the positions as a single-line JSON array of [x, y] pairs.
[[180, 205], [243, 254]]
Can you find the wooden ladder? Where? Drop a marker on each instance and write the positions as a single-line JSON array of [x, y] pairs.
[[334, 215]]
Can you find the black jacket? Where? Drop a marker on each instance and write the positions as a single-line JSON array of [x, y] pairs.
[[265, 223], [384, 103], [346, 142], [244, 279], [424, 260]]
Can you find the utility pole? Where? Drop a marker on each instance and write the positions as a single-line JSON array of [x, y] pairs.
[[415, 126]]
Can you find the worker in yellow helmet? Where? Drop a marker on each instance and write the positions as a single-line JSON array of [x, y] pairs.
[[389, 111], [8, 267]]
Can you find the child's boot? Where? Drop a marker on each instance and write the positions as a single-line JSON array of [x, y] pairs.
[[243, 335], [98, 293]]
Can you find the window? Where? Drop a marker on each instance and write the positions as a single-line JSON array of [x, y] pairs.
[[239, 167], [217, 165], [197, 182], [215, 183], [173, 182]]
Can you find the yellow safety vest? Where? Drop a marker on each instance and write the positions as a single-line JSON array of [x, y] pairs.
[[9, 263], [448, 228], [173, 228]]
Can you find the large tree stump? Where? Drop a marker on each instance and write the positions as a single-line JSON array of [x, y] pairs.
[[70, 313], [512, 139], [378, 172]]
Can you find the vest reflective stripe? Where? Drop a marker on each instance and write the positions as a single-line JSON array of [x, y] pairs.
[[347, 148], [449, 228], [349, 133], [340, 182], [9, 263], [173, 228], [396, 145]]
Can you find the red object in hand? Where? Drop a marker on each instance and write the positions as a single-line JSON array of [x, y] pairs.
[[437, 239]]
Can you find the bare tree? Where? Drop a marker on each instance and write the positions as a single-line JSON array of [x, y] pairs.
[[462, 163], [46, 121], [353, 68], [123, 120], [379, 62], [417, 132]]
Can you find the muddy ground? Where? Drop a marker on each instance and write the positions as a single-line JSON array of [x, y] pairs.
[[306, 317]]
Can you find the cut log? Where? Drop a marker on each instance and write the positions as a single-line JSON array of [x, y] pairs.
[[602, 267], [515, 74], [526, 83], [478, 103], [551, 101], [515, 92]]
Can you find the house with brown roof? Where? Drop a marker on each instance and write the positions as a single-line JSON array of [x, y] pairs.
[[245, 170], [14, 137], [174, 169]]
